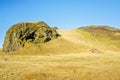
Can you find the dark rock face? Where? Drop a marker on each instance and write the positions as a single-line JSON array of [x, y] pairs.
[[34, 32]]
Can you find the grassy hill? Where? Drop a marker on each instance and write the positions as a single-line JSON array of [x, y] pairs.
[[103, 38], [67, 57]]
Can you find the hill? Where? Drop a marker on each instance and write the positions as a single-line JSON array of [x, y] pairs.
[[78, 41], [103, 37], [67, 57], [103, 31], [28, 32], [83, 39]]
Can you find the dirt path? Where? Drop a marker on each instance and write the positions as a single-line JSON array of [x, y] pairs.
[[71, 35]]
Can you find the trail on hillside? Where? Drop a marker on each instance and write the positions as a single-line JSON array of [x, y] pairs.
[[67, 43], [70, 42], [71, 35], [87, 40]]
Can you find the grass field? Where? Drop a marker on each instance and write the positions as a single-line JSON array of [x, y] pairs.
[[83, 66], [65, 58]]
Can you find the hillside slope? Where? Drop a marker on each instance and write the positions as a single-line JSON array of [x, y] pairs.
[[80, 40], [103, 38]]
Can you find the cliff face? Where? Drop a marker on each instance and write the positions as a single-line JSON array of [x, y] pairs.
[[34, 32]]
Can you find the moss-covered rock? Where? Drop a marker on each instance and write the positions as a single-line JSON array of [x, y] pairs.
[[34, 32]]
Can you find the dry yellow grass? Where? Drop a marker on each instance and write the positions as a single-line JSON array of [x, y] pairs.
[[71, 41], [84, 66], [0, 49], [65, 58]]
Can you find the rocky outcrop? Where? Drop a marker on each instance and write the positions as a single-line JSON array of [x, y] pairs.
[[34, 32]]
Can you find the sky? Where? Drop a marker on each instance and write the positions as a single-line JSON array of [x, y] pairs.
[[65, 14]]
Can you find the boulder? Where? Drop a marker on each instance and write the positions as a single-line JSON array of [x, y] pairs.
[[34, 32]]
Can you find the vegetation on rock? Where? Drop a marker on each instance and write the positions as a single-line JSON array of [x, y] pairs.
[[34, 32]]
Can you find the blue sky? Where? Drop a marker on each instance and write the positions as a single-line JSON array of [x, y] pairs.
[[65, 14]]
